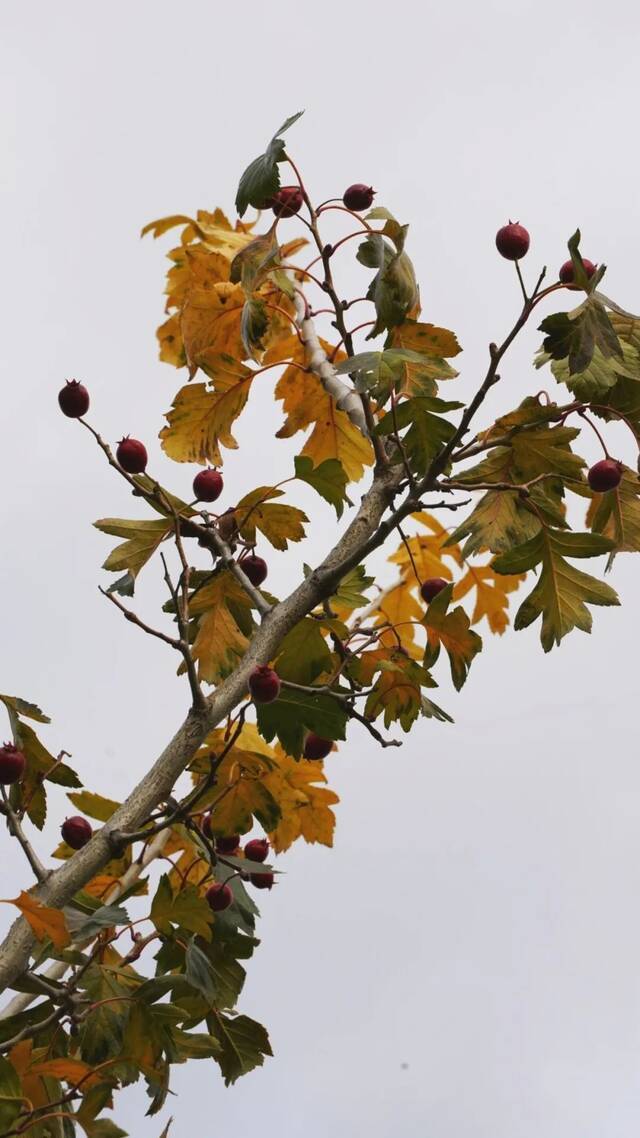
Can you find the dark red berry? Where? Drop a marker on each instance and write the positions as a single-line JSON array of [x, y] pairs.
[[73, 399], [264, 684], [132, 455], [262, 880], [76, 831], [358, 196], [512, 241], [219, 897], [255, 569], [315, 747], [228, 845], [431, 587], [287, 201], [257, 849], [12, 764], [605, 475], [567, 271], [207, 485]]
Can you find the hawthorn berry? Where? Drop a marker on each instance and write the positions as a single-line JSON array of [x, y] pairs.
[[207, 485], [264, 684], [132, 455], [567, 271], [605, 475], [287, 201], [315, 747], [12, 764], [76, 831], [219, 897], [73, 400], [358, 196], [228, 845], [262, 880], [257, 849], [512, 241], [255, 568], [431, 587]]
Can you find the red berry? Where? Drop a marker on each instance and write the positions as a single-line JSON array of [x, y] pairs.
[[262, 880], [287, 201], [12, 764], [73, 399], [605, 475], [255, 568], [132, 455], [219, 897], [207, 485], [76, 831], [567, 271], [228, 845], [512, 241], [264, 684], [358, 196], [315, 747], [257, 849], [431, 587]]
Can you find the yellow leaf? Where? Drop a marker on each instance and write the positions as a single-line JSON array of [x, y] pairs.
[[157, 228], [426, 338], [279, 523], [142, 540], [44, 922], [170, 341], [219, 643], [201, 418], [491, 594], [401, 609], [306, 808], [211, 321], [72, 1071]]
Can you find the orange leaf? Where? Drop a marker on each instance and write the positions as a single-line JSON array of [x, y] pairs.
[[44, 922], [71, 1070]]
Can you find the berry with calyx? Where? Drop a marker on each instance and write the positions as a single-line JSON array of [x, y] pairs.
[[132, 455], [315, 747], [12, 764], [262, 880], [76, 831], [73, 400], [264, 684], [255, 568], [567, 271], [431, 587], [257, 849], [358, 196], [287, 201], [207, 485], [219, 897], [228, 845], [512, 241], [605, 475]]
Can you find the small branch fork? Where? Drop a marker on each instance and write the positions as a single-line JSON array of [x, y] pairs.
[[14, 826]]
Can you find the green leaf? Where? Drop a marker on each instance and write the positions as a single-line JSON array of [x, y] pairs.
[[11, 1097], [393, 290], [86, 928], [562, 592], [142, 538], [199, 973], [304, 653], [252, 264], [261, 179], [186, 909], [400, 369], [244, 1044], [253, 325], [196, 1045], [294, 713], [350, 593], [616, 514], [430, 710], [427, 430], [22, 707], [499, 521], [328, 479], [575, 335]]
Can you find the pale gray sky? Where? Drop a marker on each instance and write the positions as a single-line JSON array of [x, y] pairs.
[[478, 918]]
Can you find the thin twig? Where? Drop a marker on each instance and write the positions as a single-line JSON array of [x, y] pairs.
[[14, 827]]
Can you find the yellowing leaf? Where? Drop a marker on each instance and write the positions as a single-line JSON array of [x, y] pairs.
[[491, 594], [72, 1071], [201, 416], [428, 552], [306, 402], [142, 540], [453, 631], [279, 523], [397, 689], [157, 228], [211, 320], [44, 922], [400, 608], [219, 643], [616, 514], [426, 338], [305, 807]]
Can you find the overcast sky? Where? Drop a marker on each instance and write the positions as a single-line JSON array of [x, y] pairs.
[[466, 962]]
